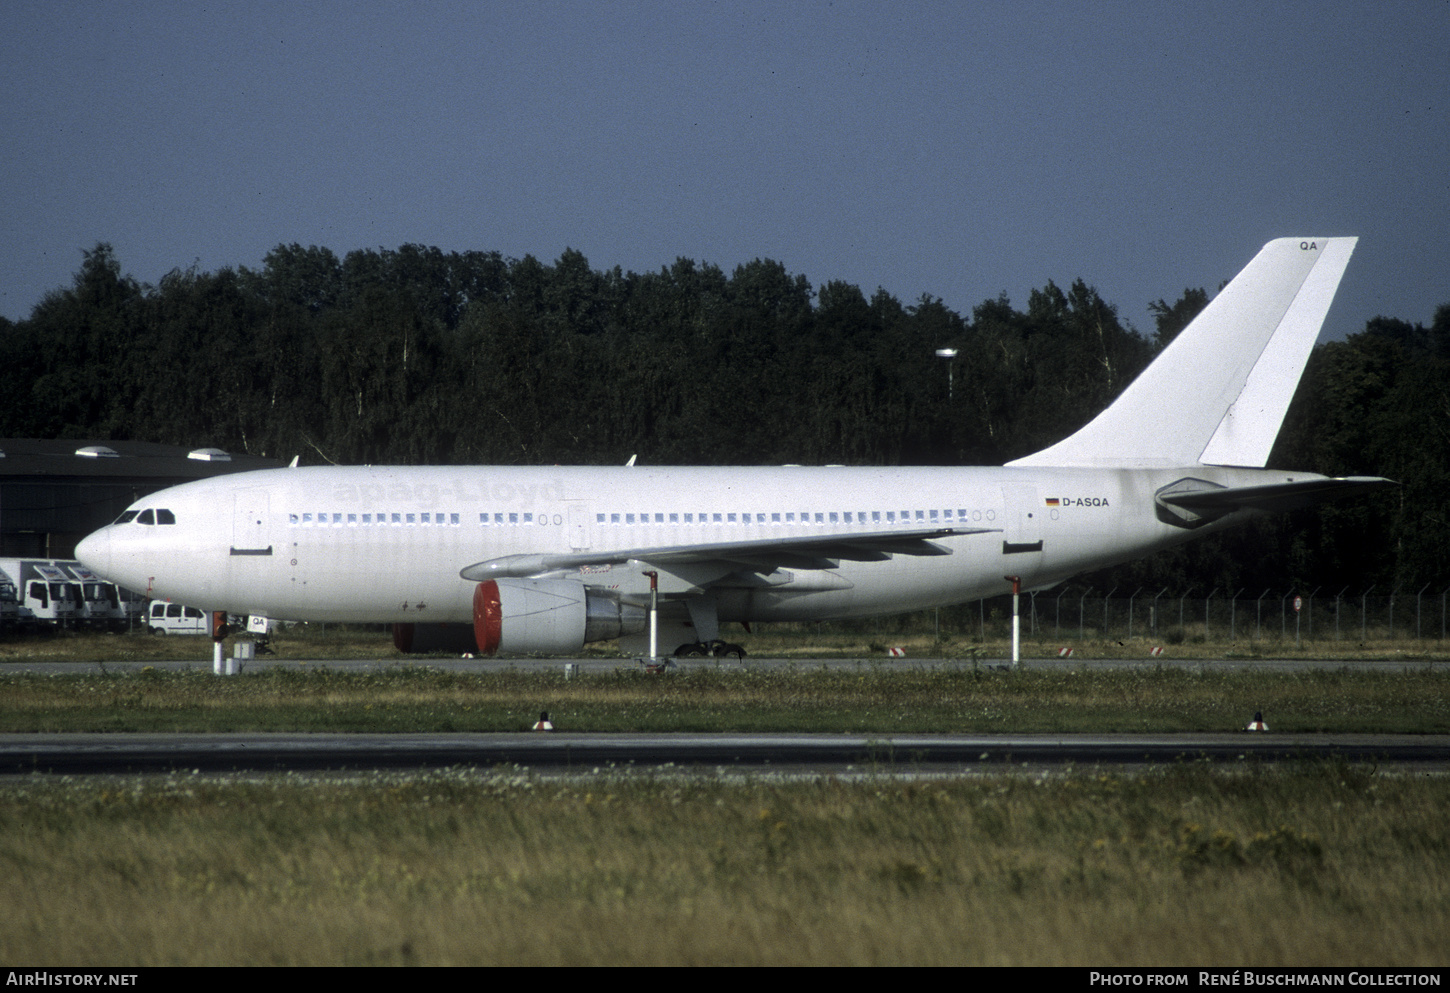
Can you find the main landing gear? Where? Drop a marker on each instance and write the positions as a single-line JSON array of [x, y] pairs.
[[701, 649]]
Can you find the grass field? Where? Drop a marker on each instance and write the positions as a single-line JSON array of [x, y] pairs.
[[1318, 864], [1288, 864], [845, 639], [861, 699]]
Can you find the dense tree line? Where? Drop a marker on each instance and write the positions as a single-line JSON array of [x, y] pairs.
[[419, 356]]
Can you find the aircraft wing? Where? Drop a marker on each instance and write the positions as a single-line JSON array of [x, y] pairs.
[[801, 552], [1272, 497]]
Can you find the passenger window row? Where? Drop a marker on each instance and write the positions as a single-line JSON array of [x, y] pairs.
[[873, 518], [380, 519], [926, 517]]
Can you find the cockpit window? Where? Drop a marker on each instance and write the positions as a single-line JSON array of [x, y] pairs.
[[165, 517], [147, 517], [127, 517]]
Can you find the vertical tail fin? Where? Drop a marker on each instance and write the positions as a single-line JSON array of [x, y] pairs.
[[1218, 393]]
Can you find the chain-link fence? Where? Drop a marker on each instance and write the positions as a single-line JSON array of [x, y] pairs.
[[1239, 616]]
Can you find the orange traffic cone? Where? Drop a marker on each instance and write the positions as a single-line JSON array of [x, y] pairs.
[[543, 724]]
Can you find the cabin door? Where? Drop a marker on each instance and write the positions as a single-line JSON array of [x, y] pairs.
[[1022, 539], [249, 523], [579, 526]]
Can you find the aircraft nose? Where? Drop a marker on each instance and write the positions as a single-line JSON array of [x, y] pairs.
[[94, 552]]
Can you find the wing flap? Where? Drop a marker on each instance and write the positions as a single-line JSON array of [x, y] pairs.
[[810, 551]]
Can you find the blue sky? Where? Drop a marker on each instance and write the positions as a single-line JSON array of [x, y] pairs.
[[960, 150]]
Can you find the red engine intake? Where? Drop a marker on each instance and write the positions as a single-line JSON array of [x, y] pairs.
[[547, 617]]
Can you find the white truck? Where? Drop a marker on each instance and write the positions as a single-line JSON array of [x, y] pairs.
[[104, 606], [45, 595], [9, 603]]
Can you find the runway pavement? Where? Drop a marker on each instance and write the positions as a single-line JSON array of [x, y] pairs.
[[84, 754]]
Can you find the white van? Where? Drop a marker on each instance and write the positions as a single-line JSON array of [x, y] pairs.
[[174, 618]]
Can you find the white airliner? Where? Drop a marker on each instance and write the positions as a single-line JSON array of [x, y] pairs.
[[542, 560]]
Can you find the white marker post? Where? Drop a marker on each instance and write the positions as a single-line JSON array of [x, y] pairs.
[[218, 634], [654, 615], [1016, 582]]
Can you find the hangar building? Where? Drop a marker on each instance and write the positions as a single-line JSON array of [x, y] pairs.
[[54, 493]]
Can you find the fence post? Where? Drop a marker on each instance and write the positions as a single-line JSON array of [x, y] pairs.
[[1336, 613], [1233, 606], [1106, 601], [1082, 601], [1155, 610], [1206, 603], [1259, 616], [1131, 599], [1363, 600], [1393, 592], [1417, 609]]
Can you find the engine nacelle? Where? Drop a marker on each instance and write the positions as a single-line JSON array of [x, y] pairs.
[[547, 616]]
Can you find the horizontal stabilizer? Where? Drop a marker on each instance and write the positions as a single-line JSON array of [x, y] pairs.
[[1195, 501], [781, 552]]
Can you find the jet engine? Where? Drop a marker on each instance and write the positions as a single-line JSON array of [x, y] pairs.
[[547, 616], [527, 617]]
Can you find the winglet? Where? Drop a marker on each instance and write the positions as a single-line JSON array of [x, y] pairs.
[[1218, 393]]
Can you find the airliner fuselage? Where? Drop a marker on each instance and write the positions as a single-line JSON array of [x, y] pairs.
[[388, 543]]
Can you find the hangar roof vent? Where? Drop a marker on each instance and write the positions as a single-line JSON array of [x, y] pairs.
[[98, 452], [208, 455]]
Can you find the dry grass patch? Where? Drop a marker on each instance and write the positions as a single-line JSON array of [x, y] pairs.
[[1320, 864]]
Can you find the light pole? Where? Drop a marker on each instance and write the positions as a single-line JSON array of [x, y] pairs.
[[948, 354]]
